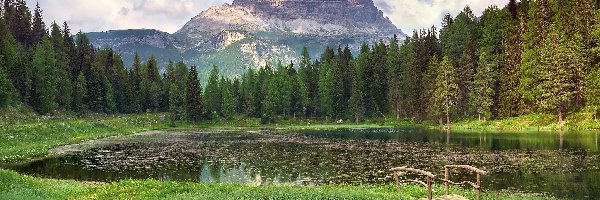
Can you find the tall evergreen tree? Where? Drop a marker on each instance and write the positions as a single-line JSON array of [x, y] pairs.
[[80, 94], [64, 96], [7, 91], [540, 18], [356, 101], [325, 90], [228, 101], [560, 61], [45, 83], [446, 88], [482, 95], [193, 97], [394, 63], [38, 26], [212, 95]]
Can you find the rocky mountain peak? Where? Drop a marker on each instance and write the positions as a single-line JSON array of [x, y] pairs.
[[317, 17], [253, 33]]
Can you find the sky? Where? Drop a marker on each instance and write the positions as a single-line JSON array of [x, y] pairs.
[[170, 15]]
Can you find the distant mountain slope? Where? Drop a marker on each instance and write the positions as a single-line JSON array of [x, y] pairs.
[[253, 33]]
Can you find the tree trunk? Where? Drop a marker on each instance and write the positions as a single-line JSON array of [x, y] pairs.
[[479, 115], [356, 118], [560, 117], [447, 120], [441, 121]]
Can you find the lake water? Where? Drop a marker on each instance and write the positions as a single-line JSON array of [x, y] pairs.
[[560, 164]]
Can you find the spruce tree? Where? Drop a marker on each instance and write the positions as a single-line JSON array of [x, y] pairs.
[[560, 61], [45, 83], [193, 97], [7, 91], [446, 88], [325, 90], [64, 96], [308, 87], [38, 26], [80, 94], [482, 95], [228, 102], [393, 76], [356, 101], [212, 95]]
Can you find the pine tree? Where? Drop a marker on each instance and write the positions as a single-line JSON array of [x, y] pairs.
[[296, 97], [512, 7], [7, 91], [446, 88], [325, 88], [393, 76], [15, 62], [38, 26], [356, 101], [64, 96], [177, 90], [433, 92], [21, 23], [80, 94], [212, 95], [338, 94], [110, 105], [592, 81], [540, 16], [45, 83], [406, 79], [364, 62], [228, 102], [193, 97], [509, 97], [379, 82], [560, 61], [482, 95]]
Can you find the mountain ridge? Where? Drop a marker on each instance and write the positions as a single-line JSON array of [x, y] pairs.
[[253, 33]]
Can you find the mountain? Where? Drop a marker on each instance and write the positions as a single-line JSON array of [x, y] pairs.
[[253, 33]]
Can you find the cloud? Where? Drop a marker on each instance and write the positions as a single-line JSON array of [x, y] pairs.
[[102, 15], [170, 15], [409, 15]]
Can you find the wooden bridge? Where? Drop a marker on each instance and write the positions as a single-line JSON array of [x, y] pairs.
[[429, 177]]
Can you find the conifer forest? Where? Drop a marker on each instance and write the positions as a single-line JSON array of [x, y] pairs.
[[527, 57]]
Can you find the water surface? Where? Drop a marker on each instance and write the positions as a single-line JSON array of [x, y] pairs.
[[561, 164]]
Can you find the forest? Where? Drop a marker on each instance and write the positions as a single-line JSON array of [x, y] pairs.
[[525, 58]]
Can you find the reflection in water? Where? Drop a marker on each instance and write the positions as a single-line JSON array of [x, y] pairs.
[[562, 140], [564, 164]]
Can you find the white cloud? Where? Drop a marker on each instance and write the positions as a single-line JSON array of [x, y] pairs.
[[409, 15], [170, 15], [102, 15]]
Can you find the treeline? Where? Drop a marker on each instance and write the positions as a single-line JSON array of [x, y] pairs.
[[528, 57], [52, 71]]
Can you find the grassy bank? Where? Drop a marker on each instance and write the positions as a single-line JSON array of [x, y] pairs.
[[543, 122], [16, 186], [26, 135]]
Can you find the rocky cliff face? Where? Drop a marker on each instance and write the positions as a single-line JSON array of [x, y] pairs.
[[252, 33]]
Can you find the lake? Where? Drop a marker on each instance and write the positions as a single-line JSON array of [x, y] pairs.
[[560, 164]]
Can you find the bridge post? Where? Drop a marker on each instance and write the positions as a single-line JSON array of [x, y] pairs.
[[446, 178]]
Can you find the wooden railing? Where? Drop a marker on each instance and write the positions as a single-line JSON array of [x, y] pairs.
[[402, 170], [476, 185], [429, 177]]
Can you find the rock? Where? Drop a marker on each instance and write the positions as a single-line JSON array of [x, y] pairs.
[[254, 33]]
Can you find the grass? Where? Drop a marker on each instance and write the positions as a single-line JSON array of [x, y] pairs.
[[16, 186], [25, 135]]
